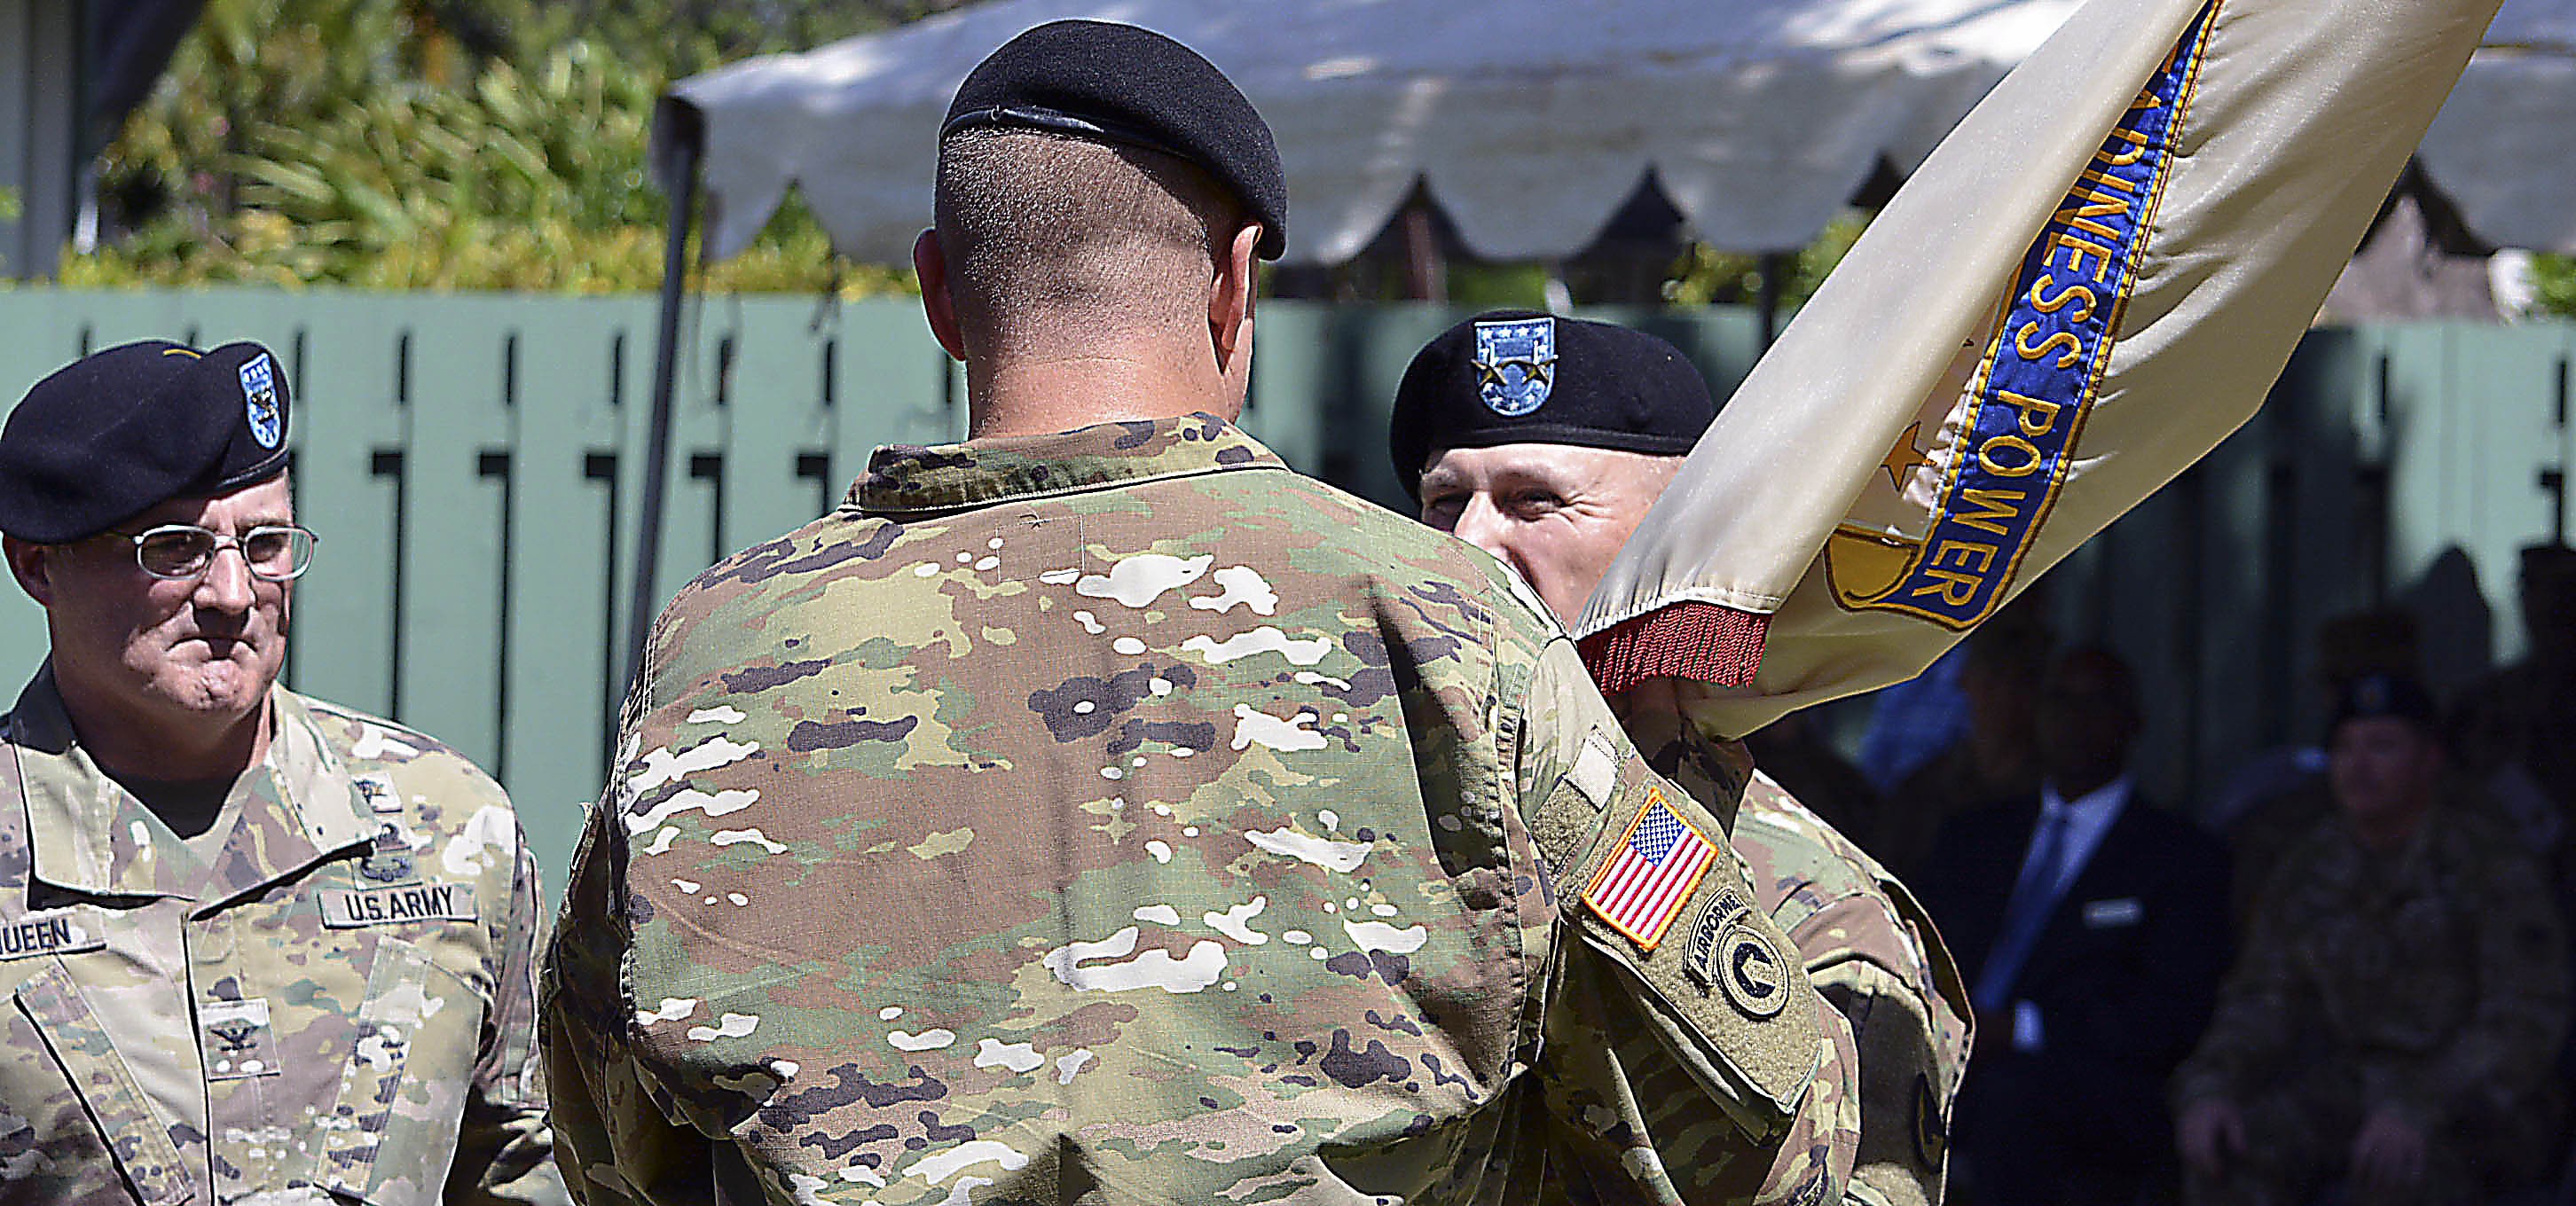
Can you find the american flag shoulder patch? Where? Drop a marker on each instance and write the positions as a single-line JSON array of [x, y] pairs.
[[1650, 874]]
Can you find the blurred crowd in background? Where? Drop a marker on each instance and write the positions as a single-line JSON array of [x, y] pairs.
[[2342, 976]]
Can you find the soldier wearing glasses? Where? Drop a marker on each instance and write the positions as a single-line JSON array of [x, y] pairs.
[[259, 947]]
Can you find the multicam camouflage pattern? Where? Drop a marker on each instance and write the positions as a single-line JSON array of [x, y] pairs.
[[1634, 1126], [1869, 947], [2432, 981], [193, 1032], [1116, 816]]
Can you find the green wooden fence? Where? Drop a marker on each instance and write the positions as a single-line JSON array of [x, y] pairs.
[[474, 464], [2400, 465]]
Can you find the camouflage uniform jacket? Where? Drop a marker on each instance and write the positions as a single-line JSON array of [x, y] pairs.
[[342, 1001], [1870, 948], [2440, 970], [1116, 816]]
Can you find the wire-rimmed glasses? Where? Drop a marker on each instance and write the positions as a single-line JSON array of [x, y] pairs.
[[184, 551]]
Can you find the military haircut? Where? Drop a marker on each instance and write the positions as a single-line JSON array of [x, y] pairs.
[[1041, 229]]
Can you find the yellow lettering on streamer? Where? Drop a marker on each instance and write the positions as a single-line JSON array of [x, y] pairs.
[[2095, 205], [1990, 505], [1955, 588], [1959, 553], [2077, 247], [2137, 148], [2081, 297], [2038, 415], [2074, 347], [2027, 451], [2121, 183]]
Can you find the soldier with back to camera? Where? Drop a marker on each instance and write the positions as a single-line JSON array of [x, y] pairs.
[[1097, 811]]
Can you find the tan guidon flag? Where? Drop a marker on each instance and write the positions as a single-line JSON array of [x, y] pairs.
[[2086, 286]]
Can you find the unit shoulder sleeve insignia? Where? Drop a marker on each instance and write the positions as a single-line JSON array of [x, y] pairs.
[[1667, 901]]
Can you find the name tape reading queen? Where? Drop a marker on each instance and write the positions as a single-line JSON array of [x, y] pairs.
[[2041, 370]]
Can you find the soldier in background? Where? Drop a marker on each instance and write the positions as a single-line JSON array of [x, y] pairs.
[[2272, 802], [264, 949], [2391, 1021], [1552, 478], [2517, 728], [1098, 811]]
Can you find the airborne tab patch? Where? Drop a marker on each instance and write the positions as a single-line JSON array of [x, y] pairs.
[[1729, 954], [344, 909], [1721, 915]]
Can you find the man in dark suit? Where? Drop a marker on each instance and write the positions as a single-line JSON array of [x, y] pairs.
[[2094, 931]]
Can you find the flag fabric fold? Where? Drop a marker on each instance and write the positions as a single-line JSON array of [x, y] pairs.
[[2092, 281]]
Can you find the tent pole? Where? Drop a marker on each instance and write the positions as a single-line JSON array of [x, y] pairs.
[[680, 179], [1774, 266]]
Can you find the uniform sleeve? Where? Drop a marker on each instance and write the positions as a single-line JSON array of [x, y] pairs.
[[1908, 1075], [2263, 1004], [504, 1147], [1869, 948], [614, 1143], [2512, 1036], [1687, 1057]]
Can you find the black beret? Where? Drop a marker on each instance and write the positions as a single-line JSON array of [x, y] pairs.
[[119, 432], [2386, 696], [1126, 84], [1522, 377]]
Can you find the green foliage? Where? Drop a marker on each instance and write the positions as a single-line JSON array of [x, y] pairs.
[[1707, 275], [686, 37], [371, 143], [2554, 278], [9, 210], [1495, 286]]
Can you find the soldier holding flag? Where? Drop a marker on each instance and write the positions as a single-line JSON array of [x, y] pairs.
[[1543, 440]]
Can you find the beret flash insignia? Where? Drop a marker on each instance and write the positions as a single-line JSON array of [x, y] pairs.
[[259, 390], [1515, 364]]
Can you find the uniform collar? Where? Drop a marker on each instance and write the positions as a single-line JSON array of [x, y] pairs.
[[2388, 866], [88, 834], [910, 479]]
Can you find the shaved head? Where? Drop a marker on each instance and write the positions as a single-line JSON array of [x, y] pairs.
[[1058, 240]]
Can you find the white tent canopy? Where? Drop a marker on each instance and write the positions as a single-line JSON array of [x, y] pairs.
[[1532, 121], [2500, 148]]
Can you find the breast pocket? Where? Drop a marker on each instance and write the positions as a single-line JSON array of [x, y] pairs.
[[92, 1126], [391, 1134], [2424, 999]]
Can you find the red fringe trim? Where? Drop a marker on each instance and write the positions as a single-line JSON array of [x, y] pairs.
[[1699, 641]]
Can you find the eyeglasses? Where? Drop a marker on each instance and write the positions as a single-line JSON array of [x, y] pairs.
[[182, 551]]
